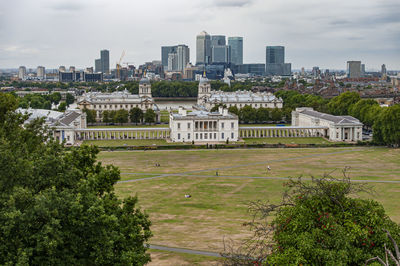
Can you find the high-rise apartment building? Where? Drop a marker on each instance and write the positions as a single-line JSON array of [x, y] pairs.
[[177, 58], [172, 62], [203, 48], [236, 47], [22, 72], [275, 62], [362, 70], [383, 70], [353, 69], [105, 61], [41, 72]]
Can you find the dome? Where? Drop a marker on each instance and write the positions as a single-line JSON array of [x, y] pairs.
[[144, 81], [204, 80]]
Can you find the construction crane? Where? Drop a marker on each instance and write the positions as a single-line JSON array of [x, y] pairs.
[[119, 64]]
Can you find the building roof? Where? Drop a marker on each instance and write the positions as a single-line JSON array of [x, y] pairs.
[[242, 97], [332, 118], [69, 118], [114, 97], [201, 114], [49, 115], [204, 80], [144, 80]]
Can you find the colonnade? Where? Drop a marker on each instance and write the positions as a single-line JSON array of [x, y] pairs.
[[281, 132], [126, 133]]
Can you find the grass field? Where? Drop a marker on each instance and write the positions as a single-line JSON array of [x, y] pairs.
[[315, 140], [218, 207]]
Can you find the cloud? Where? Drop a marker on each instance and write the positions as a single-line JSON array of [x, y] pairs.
[[232, 3], [67, 6]]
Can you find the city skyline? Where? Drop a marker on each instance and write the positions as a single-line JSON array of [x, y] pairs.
[[360, 30]]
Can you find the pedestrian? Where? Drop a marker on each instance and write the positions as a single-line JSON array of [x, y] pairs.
[[216, 173]]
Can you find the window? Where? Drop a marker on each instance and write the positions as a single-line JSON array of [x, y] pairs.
[[222, 125], [337, 135], [179, 135], [205, 135], [201, 135], [210, 135], [197, 136], [222, 135], [232, 125], [215, 135], [232, 135], [94, 106], [188, 135], [179, 125], [188, 125]]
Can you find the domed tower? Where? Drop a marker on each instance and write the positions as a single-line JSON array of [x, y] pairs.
[[144, 88], [204, 91]]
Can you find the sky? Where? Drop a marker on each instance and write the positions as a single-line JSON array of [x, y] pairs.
[[322, 33]]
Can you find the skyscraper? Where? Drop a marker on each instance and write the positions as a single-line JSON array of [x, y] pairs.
[[165, 51], [183, 58], [221, 54], [383, 70], [203, 48], [275, 62], [22, 72], [97, 65], [172, 62], [218, 40], [105, 61], [353, 69], [236, 46]]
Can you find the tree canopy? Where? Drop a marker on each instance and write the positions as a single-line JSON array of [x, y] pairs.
[[58, 206], [317, 223]]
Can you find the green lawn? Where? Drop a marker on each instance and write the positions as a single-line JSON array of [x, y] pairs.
[[127, 142], [315, 140], [261, 125], [218, 206]]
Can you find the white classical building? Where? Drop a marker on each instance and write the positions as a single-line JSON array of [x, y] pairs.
[[203, 126], [115, 101], [208, 98], [62, 125], [337, 128]]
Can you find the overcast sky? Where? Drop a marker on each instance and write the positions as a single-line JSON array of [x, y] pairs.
[[322, 33]]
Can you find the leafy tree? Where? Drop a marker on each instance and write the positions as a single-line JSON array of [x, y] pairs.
[[387, 126], [55, 97], [136, 115], [106, 118], [121, 116], [317, 223], [58, 206], [69, 99], [276, 114], [62, 107], [150, 116], [262, 115], [340, 105], [90, 115], [360, 108], [247, 114], [217, 106], [233, 109]]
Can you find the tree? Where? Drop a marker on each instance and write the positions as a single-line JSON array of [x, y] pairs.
[[150, 116], [90, 115], [233, 109], [58, 206], [387, 126], [136, 115], [317, 223], [247, 114], [121, 116], [55, 97], [106, 116], [276, 114], [262, 115], [69, 99], [340, 105], [62, 107]]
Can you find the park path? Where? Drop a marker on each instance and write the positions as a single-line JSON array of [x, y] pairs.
[[186, 251]]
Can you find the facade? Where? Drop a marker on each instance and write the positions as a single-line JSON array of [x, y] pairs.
[[183, 58], [203, 48], [69, 76], [61, 69], [203, 126], [220, 54], [41, 72], [22, 72], [217, 40], [172, 62], [119, 100], [165, 51], [92, 77], [337, 128], [240, 99], [354, 69], [275, 62], [105, 61], [254, 69], [62, 125], [236, 46]]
